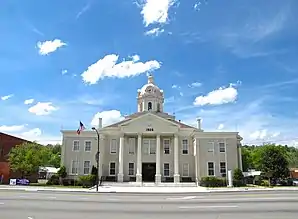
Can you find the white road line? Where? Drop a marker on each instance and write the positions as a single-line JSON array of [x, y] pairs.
[[215, 206], [1, 203], [113, 199], [21, 196], [182, 198]]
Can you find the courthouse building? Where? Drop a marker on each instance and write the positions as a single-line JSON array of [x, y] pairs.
[[151, 146]]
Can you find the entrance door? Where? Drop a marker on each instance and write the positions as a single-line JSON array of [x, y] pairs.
[[148, 172]]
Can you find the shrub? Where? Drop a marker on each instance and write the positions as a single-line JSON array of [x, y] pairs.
[[238, 175], [87, 181], [54, 180], [62, 172], [212, 181], [264, 183]]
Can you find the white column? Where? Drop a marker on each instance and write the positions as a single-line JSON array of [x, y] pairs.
[[157, 174], [240, 156], [120, 171], [139, 159], [176, 161]]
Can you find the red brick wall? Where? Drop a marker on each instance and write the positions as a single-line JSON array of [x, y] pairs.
[[7, 142]]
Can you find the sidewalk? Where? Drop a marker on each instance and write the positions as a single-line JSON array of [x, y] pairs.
[[152, 190]]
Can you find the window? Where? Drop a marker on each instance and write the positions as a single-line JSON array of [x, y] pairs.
[[87, 165], [211, 147], [113, 147], [131, 169], [74, 167], [131, 148], [112, 169], [222, 169], [76, 145], [185, 169], [149, 146], [166, 169], [184, 146], [149, 106], [146, 146], [222, 147], [158, 107], [87, 145], [166, 146], [211, 169], [152, 146]]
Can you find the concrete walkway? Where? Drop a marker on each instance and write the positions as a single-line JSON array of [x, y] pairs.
[[114, 189]]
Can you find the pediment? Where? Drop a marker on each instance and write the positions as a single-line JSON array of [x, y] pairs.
[[149, 122]]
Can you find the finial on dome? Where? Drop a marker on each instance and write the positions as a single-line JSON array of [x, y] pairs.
[[150, 79]]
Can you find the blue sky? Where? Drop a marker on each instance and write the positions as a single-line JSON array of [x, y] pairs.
[[232, 63]]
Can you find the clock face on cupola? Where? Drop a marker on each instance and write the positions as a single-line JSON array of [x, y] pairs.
[[150, 97]]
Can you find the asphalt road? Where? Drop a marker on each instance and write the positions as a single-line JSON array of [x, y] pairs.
[[245, 205]]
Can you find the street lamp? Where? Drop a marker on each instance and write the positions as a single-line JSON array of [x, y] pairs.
[[97, 158]]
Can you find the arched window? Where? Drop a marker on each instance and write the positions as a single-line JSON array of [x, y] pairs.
[[149, 106], [158, 107]]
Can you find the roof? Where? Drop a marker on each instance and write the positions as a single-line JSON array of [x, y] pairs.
[[11, 136], [159, 114]]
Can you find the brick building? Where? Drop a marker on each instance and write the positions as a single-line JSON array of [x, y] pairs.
[[7, 142]]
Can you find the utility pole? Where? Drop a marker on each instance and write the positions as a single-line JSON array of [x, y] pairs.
[[97, 159]]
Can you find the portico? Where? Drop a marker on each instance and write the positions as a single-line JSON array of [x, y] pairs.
[[154, 153]]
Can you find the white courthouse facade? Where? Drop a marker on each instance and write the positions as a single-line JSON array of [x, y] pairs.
[[151, 146]]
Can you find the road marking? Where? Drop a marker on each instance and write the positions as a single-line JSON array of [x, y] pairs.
[[182, 198], [113, 199], [1, 203], [52, 197], [21, 196], [215, 206], [30, 218]]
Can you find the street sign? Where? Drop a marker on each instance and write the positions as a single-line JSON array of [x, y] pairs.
[[97, 156]]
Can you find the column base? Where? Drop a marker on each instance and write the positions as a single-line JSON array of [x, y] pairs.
[[120, 177], [176, 178], [139, 178], [157, 178]]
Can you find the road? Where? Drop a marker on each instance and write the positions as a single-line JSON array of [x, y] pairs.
[[54, 205]]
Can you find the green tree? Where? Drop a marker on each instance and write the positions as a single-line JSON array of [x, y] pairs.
[[272, 160], [26, 158]]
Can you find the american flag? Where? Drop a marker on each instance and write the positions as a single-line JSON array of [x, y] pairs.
[[81, 128]]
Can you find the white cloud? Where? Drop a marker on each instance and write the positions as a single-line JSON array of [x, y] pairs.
[[195, 84], [12, 128], [6, 97], [42, 108], [108, 117], [154, 32], [63, 72], [29, 101], [181, 94], [107, 67], [220, 126], [48, 47], [218, 97], [175, 86], [156, 11]]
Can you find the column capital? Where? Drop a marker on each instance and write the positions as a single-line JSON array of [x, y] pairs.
[[139, 134], [121, 134], [158, 136]]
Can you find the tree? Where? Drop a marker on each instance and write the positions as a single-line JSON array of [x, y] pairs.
[[26, 158], [238, 175], [272, 160]]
